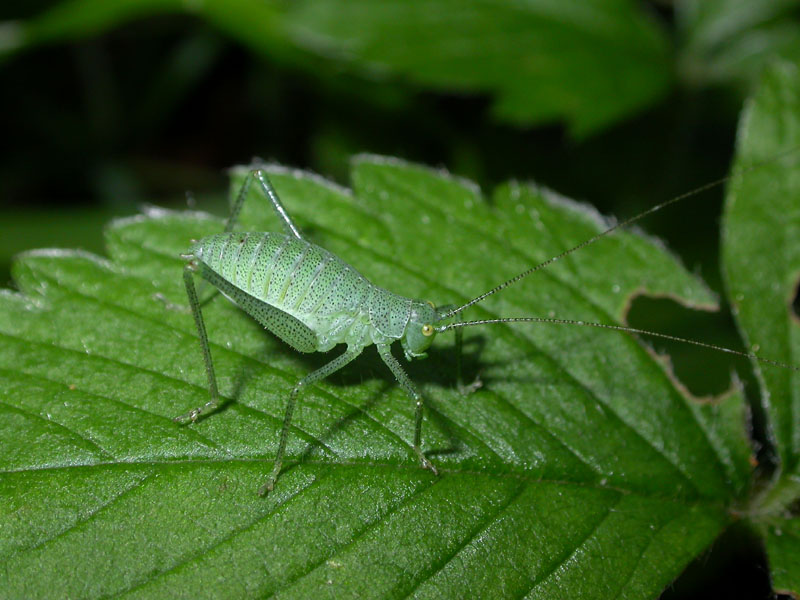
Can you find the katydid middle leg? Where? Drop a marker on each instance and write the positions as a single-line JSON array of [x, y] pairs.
[[328, 369]]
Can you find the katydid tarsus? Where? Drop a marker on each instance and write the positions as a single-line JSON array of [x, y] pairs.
[[313, 301]]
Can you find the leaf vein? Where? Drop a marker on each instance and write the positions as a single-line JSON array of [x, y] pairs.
[[58, 425], [479, 528], [231, 535]]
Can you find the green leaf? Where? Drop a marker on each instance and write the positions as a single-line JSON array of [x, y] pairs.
[[761, 249], [783, 548], [588, 63], [579, 469], [730, 41]]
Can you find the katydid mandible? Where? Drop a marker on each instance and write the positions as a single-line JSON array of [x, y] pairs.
[[313, 301]]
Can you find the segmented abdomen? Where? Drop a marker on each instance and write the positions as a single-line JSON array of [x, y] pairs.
[[288, 273]]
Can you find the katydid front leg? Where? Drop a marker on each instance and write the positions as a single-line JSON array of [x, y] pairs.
[[397, 369]]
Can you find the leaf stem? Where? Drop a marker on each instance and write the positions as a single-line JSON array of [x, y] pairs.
[[777, 498]]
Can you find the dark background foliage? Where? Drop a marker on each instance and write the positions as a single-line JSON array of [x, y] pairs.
[[153, 110]]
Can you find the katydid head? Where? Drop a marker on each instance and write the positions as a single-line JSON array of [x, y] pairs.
[[420, 330]]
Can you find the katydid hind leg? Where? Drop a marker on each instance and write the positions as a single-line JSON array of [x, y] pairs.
[[194, 303], [202, 298], [236, 207], [265, 185], [404, 380], [321, 373]]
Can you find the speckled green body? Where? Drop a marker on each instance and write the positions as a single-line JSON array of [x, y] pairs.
[[324, 300], [310, 299]]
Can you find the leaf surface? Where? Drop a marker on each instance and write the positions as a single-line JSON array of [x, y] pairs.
[[588, 63], [783, 549], [578, 470], [761, 250], [731, 41]]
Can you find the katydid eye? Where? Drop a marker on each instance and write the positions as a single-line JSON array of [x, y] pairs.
[[427, 330]]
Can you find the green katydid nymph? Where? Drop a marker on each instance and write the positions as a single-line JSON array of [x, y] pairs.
[[313, 301]]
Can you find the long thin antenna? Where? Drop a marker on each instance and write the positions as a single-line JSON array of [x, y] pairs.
[[619, 225], [769, 361]]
